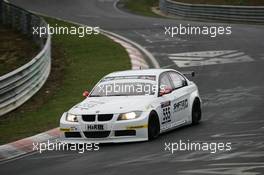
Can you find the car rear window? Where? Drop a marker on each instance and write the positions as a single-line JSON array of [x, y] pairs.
[[140, 77]]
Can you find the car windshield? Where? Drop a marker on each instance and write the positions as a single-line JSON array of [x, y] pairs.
[[113, 86]]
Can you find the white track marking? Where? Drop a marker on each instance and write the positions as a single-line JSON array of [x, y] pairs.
[[204, 58], [233, 55], [204, 53]]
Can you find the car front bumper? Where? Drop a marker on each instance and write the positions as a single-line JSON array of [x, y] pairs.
[[114, 131]]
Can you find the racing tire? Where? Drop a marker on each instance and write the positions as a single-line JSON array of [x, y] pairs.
[[196, 112], [153, 127]]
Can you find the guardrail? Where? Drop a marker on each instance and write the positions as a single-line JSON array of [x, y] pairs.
[[18, 86], [218, 12]]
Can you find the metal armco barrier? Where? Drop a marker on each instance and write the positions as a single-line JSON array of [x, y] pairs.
[[218, 12], [18, 86]]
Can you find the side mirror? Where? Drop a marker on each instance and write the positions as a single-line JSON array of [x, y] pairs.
[[165, 91], [86, 93], [189, 73]]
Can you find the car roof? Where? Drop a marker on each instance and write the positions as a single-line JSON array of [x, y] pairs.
[[155, 72]]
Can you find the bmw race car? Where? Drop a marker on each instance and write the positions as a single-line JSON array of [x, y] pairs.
[[134, 105]]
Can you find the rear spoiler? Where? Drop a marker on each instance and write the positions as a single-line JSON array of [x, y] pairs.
[[189, 73]]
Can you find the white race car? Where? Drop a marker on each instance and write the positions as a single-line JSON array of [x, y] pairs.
[[134, 105]]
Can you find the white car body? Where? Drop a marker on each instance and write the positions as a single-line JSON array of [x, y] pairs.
[[173, 109]]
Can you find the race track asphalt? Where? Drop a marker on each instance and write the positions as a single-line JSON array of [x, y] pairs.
[[232, 93]]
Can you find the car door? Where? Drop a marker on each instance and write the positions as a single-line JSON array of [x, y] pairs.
[[180, 98], [165, 100]]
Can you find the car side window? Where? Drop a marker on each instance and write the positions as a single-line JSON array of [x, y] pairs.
[[165, 81], [177, 80]]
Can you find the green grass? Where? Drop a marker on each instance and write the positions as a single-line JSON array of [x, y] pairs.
[[81, 63], [16, 49], [141, 7]]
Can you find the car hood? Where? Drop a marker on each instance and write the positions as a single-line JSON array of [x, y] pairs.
[[105, 105]]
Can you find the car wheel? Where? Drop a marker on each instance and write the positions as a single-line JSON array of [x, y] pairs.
[[196, 112], [153, 127]]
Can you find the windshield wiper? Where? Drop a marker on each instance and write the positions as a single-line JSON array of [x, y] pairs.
[[95, 96], [116, 95]]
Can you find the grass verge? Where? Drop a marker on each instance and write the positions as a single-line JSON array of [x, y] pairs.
[[144, 7], [141, 7], [16, 49], [77, 64]]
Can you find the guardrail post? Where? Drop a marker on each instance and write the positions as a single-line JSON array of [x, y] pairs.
[[1, 11], [4, 13], [28, 26]]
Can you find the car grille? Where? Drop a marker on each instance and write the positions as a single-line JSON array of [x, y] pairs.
[[119, 133], [72, 134], [88, 118], [105, 117], [96, 134], [100, 117]]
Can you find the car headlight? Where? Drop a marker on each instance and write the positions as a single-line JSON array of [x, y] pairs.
[[71, 118], [129, 115]]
